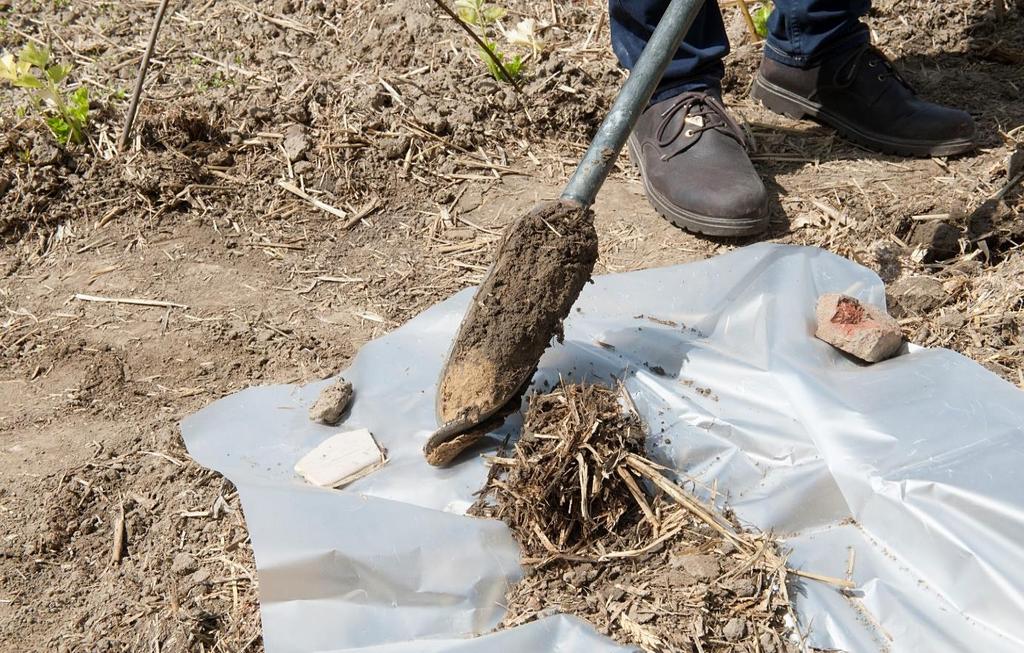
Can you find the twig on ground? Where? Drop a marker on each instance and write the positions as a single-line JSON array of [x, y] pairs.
[[745, 10], [367, 209], [298, 192], [127, 300], [118, 545]]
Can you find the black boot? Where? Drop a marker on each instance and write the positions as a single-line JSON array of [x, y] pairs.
[[693, 160], [860, 94]]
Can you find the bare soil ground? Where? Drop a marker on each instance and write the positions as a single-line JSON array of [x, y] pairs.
[[382, 111]]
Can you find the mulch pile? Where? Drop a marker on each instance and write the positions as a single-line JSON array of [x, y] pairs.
[[609, 536]]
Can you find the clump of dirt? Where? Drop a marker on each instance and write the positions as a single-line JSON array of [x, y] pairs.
[[332, 403], [659, 570], [544, 259]]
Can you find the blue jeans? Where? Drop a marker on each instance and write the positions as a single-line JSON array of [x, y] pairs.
[[800, 33]]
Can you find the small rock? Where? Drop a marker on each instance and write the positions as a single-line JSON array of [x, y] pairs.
[[742, 587], [183, 564], [302, 167], [735, 629], [296, 142], [680, 578], [1014, 162], [936, 240], [701, 567], [44, 153], [951, 320], [887, 260], [332, 403], [861, 330], [220, 158], [915, 296], [394, 148], [200, 577]]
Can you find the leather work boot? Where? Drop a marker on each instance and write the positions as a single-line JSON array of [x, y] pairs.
[[860, 94], [693, 159]]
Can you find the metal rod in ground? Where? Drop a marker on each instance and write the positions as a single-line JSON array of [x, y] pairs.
[[629, 104], [133, 107]]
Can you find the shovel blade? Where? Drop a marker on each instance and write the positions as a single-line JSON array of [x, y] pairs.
[[542, 262]]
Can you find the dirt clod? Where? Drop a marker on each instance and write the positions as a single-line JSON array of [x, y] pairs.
[[183, 564], [296, 142], [915, 295], [937, 241], [332, 403]]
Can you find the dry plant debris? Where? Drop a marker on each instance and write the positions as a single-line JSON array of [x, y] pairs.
[[611, 538]]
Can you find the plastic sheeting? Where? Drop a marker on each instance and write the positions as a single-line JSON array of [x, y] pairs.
[[911, 463]]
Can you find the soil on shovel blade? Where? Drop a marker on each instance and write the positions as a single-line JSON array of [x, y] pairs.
[[655, 569], [544, 259]]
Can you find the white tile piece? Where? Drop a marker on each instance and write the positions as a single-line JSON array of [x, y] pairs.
[[341, 459]]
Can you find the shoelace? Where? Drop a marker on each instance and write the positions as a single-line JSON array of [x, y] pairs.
[[872, 57], [712, 114]]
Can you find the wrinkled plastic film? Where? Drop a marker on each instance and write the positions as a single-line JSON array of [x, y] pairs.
[[910, 464]]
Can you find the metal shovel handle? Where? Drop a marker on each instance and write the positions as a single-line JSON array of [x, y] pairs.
[[631, 101]]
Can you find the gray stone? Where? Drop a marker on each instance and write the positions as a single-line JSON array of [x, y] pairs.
[[861, 330], [700, 567], [951, 320], [332, 403], [296, 142], [735, 629]]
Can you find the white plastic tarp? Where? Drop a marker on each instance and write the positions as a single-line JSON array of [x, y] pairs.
[[912, 464]]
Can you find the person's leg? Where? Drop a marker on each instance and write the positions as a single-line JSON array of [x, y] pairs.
[[698, 63], [819, 63], [803, 32]]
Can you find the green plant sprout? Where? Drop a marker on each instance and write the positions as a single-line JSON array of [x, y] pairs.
[[514, 66], [760, 16], [476, 12], [65, 113], [483, 16]]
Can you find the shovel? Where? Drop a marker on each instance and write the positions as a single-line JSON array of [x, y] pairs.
[[542, 262]]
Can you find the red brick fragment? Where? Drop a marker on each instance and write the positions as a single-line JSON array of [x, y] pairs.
[[861, 330]]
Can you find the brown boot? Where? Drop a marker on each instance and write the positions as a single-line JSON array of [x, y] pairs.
[[693, 159], [860, 94]]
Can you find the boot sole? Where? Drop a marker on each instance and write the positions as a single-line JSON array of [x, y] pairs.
[[705, 225], [790, 104]]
